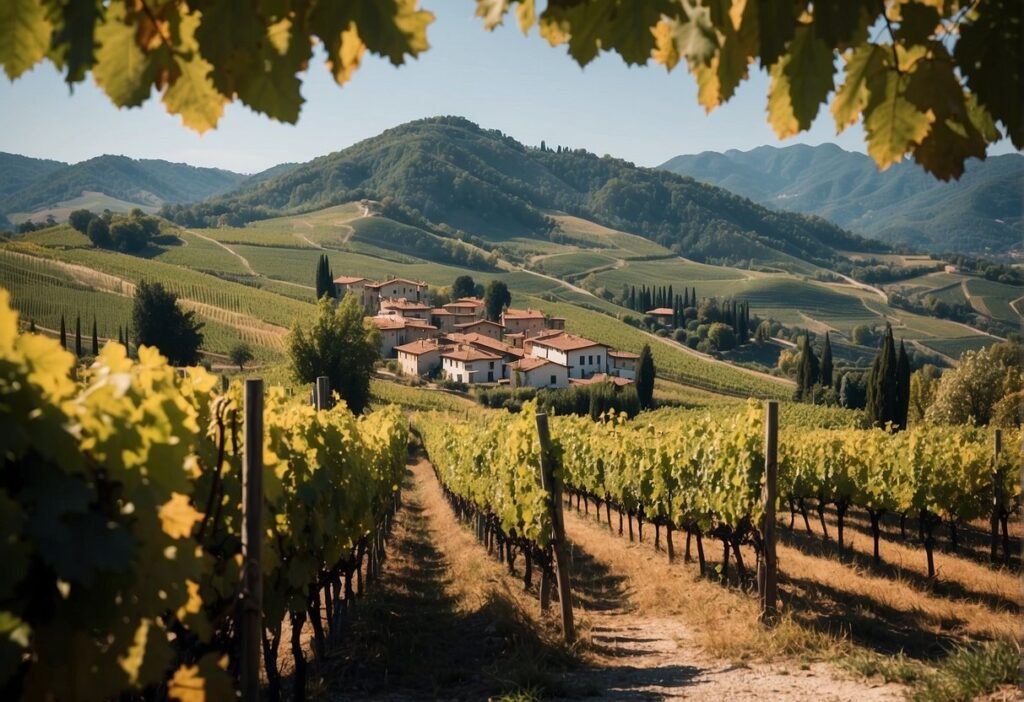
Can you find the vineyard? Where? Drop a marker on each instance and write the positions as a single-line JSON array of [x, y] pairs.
[[121, 504]]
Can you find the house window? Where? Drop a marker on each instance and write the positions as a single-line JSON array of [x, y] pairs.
[[491, 365], [582, 360], [554, 380], [590, 360]]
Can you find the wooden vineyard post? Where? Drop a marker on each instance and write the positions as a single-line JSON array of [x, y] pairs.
[[251, 595], [553, 485], [997, 494], [322, 393], [767, 569]]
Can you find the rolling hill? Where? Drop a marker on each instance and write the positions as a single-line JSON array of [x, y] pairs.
[[980, 214], [457, 179], [113, 182]]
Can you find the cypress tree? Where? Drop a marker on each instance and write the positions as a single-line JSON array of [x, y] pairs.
[[670, 298], [645, 378], [826, 363], [693, 297], [78, 336], [95, 339], [686, 298], [808, 371], [882, 392], [63, 334], [632, 297], [902, 387]]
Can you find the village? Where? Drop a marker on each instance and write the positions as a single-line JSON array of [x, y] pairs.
[[456, 341]]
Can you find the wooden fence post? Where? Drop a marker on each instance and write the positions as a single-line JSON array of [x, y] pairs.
[[251, 595], [767, 569], [552, 483], [997, 494], [322, 393]]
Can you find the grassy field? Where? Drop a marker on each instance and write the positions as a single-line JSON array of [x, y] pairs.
[[572, 264], [993, 299]]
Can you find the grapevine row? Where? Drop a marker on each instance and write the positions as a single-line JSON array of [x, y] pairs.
[[120, 503]]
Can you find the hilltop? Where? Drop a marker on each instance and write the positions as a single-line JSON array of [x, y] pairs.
[[40, 188], [484, 186], [979, 214]]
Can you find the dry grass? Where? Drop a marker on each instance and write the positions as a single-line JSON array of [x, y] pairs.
[[886, 620]]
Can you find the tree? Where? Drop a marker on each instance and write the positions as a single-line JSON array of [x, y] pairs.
[[464, 286], [63, 334], [645, 373], [159, 321], [882, 402], [496, 299], [80, 220], [324, 278], [915, 91], [902, 386], [95, 339], [78, 336], [808, 372], [852, 391], [98, 232], [969, 393], [722, 336], [337, 343], [240, 354], [763, 332], [826, 363], [923, 383]]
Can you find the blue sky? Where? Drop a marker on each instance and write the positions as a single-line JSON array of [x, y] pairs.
[[501, 80]]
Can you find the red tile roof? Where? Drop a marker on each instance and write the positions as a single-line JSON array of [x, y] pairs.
[[470, 353], [403, 304], [382, 283], [467, 325], [565, 342], [661, 312], [486, 342], [531, 362], [523, 314], [347, 280], [418, 348], [623, 354]]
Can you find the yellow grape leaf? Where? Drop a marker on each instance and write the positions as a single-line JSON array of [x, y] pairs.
[[122, 69], [736, 12], [800, 81], [665, 51], [526, 13], [492, 12], [892, 123], [280, 34], [851, 97], [192, 95], [24, 35], [349, 56], [195, 601], [206, 681], [780, 109], [177, 516], [132, 661]]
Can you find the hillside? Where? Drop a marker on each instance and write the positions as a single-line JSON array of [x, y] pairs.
[[114, 182], [476, 184], [17, 172], [979, 214]]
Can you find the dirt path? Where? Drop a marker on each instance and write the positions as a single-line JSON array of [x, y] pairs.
[[640, 655], [240, 257]]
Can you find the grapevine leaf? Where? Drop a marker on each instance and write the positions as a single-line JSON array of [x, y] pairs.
[[122, 69], [492, 12], [24, 35], [861, 64], [801, 80], [990, 52], [777, 25], [893, 124], [207, 681], [178, 516], [230, 36], [74, 38]]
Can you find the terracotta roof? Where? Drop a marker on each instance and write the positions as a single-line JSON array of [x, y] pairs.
[[565, 342], [661, 312], [470, 353], [486, 342], [418, 348], [418, 323], [531, 362], [403, 304], [601, 378], [438, 311], [382, 283], [466, 325], [388, 322], [465, 302], [523, 314], [623, 354], [347, 280]]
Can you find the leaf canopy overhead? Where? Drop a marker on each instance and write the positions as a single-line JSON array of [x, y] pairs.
[[937, 80]]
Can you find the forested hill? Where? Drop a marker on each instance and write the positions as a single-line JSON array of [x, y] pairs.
[[979, 214], [149, 183], [17, 172], [487, 185]]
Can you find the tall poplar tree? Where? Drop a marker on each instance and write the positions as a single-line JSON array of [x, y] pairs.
[[882, 387], [826, 363], [645, 378], [902, 386], [95, 339], [78, 336]]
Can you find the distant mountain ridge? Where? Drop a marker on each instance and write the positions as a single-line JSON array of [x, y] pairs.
[[979, 214], [149, 183], [480, 183]]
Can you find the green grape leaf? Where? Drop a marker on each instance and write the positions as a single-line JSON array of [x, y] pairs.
[[122, 69], [990, 52], [893, 124], [193, 95], [24, 35], [862, 64], [801, 80]]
